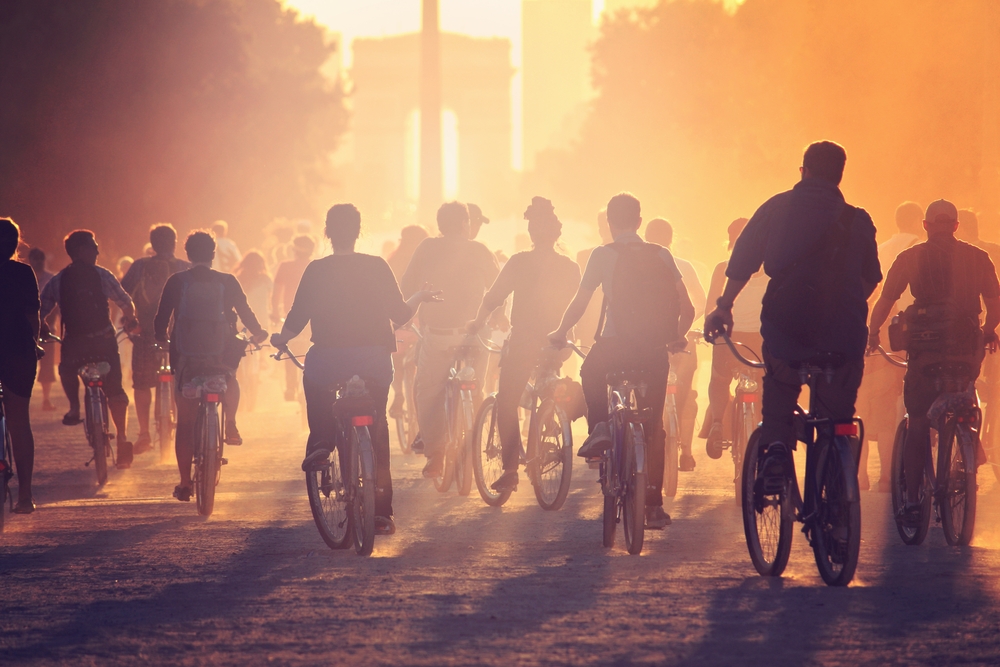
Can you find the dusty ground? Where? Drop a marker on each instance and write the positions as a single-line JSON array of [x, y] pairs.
[[125, 574]]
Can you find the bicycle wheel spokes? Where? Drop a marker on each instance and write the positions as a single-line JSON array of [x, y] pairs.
[[328, 501], [634, 504], [958, 501], [836, 528], [363, 479], [912, 535], [487, 461], [553, 456], [767, 519]]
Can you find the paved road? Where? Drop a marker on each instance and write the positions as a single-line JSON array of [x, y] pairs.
[[126, 574]]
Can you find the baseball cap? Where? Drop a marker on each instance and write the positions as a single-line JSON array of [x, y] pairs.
[[941, 211]]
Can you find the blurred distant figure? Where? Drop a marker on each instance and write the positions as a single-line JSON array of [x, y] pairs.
[[388, 246], [683, 364], [227, 254], [409, 238], [279, 249], [47, 364], [144, 282], [252, 274], [587, 326], [286, 281], [968, 231], [125, 263], [19, 326], [476, 220]]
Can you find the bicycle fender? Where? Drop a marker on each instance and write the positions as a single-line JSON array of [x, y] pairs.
[[846, 457]]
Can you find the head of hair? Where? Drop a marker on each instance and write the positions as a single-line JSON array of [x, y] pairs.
[[251, 265], [78, 240], [304, 245], [124, 264], [826, 160], [453, 219], [968, 225], [36, 257], [343, 225], [736, 228], [163, 238], [660, 232], [624, 211], [544, 227], [200, 246], [909, 216], [412, 235], [10, 235], [221, 228]]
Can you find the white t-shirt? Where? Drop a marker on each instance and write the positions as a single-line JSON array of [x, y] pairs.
[[746, 308]]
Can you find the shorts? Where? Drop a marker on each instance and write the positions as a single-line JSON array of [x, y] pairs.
[[145, 364], [17, 375], [79, 351], [47, 364]]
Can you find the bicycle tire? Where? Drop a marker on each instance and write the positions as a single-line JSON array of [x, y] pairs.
[[98, 437], [207, 461], [747, 424], [7, 475], [551, 451], [773, 523], [838, 510], [463, 453], [164, 422], [487, 457], [915, 535], [671, 450], [610, 519], [634, 502], [363, 479], [329, 503], [957, 502]]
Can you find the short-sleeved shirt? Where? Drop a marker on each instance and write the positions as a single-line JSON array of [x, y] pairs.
[[461, 268], [944, 270], [18, 301], [132, 280], [350, 300], [788, 228], [543, 283], [233, 298], [600, 272], [111, 288]]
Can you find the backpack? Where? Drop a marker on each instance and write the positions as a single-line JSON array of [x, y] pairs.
[[154, 276], [801, 301], [644, 303], [82, 304], [200, 325]]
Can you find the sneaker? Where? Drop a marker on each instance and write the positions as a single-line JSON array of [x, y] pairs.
[[71, 419], [124, 459], [417, 446], [598, 442], [772, 470], [713, 445], [317, 459], [507, 481], [434, 467], [384, 525], [233, 435], [23, 507], [182, 493], [911, 515], [656, 518], [143, 444], [687, 463]]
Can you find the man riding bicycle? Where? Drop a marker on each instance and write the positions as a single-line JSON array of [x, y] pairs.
[[351, 300], [821, 256], [645, 315], [947, 278], [144, 282], [543, 282], [82, 291], [204, 305]]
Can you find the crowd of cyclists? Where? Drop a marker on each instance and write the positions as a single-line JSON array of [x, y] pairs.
[[797, 286]]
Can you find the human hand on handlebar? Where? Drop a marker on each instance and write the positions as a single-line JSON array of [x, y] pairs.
[[992, 343], [557, 339], [279, 341], [678, 345], [259, 337], [718, 322], [874, 341]]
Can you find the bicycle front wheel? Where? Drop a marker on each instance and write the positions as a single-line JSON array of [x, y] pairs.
[[912, 535], [164, 421], [958, 486], [328, 501], [836, 529], [767, 518], [463, 454], [98, 437], [671, 449], [207, 461], [487, 454], [634, 505], [363, 479], [551, 455], [744, 424]]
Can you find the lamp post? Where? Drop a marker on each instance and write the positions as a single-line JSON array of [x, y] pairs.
[[431, 187]]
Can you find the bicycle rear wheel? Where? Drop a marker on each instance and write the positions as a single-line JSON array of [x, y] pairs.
[[328, 502], [207, 461], [767, 519], [363, 479], [958, 486], [671, 450], [836, 529], [487, 455], [98, 437], [634, 505], [912, 535], [463, 453], [551, 456], [164, 422]]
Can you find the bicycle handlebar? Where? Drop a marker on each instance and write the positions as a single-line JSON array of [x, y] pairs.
[[283, 350], [891, 358], [571, 346], [736, 353]]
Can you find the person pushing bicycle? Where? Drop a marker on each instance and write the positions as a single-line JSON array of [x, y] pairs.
[[821, 256], [645, 315], [947, 278]]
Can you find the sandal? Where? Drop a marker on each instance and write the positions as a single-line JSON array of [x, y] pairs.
[[182, 493]]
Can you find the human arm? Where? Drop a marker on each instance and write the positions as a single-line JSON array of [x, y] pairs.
[[113, 290], [237, 299], [720, 320], [495, 296], [413, 276], [716, 286], [574, 311], [49, 297], [687, 315], [895, 283], [169, 300], [131, 278], [871, 270]]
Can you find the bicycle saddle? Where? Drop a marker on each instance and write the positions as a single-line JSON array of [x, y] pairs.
[[94, 371], [948, 369]]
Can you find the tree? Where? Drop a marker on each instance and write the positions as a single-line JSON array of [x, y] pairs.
[[118, 114]]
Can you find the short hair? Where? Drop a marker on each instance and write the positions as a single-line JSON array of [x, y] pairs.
[[304, 244], [36, 255], [909, 216], [78, 239], [659, 231], [220, 227], [452, 218], [10, 236], [343, 224], [163, 238], [826, 160], [200, 246], [624, 210]]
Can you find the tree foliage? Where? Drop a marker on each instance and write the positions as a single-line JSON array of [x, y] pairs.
[[118, 113]]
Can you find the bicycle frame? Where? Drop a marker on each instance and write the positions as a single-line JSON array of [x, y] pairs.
[[624, 415]]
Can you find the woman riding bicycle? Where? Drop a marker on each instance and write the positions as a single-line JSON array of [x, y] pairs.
[[543, 282], [351, 300]]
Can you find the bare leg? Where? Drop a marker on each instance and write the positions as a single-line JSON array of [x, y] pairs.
[[184, 438], [230, 406], [71, 385], [143, 402], [22, 441]]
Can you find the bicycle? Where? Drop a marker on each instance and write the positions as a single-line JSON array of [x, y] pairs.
[[209, 439], [990, 430], [548, 459], [830, 509], [949, 482], [341, 487], [459, 412], [7, 469], [672, 445], [403, 411], [166, 409]]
